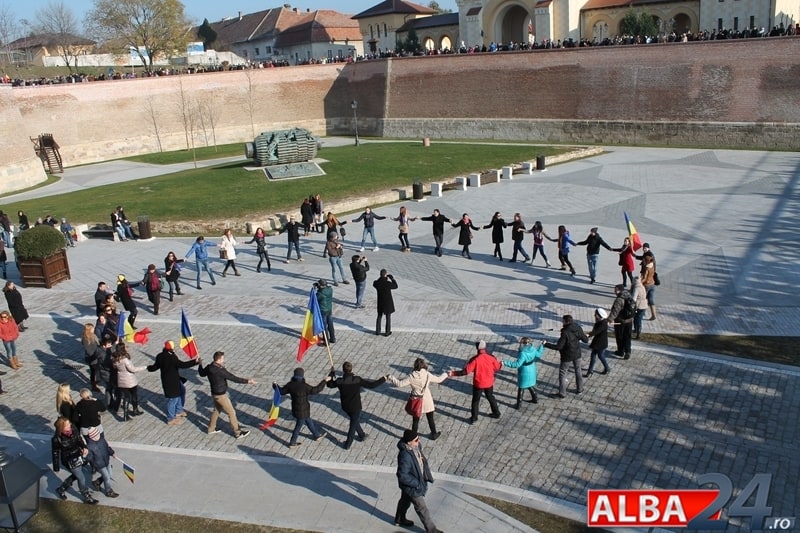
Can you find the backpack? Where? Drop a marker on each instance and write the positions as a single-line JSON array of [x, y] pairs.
[[628, 309]]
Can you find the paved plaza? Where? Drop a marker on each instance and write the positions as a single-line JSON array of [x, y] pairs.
[[721, 224]]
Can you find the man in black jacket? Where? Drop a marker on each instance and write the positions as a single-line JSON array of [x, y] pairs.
[[218, 377], [593, 242], [292, 229], [413, 476], [359, 268], [438, 220], [299, 390], [167, 361], [569, 347], [349, 386], [384, 285], [621, 316]]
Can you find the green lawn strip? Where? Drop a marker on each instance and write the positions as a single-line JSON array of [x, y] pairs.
[[781, 350], [229, 191], [538, 520], [201, 153], [68, 517]]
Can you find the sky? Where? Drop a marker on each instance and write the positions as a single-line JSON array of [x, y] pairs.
[[214, 10]]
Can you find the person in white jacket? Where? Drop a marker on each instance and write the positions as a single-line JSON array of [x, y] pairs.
[[420, 379], [127, 382], [227, 250]]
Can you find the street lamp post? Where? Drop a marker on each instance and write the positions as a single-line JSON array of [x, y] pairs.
[[354, 105]]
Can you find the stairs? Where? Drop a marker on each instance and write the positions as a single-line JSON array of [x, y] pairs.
[[47, 149]]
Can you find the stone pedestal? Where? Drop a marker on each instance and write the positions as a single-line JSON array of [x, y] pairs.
[[474, 180], [436, 188], [508, 173]]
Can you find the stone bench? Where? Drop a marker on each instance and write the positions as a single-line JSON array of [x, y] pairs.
[[475, 180], [508, 173], [437, 188], [527, 168], [100, 231], [461, 183]]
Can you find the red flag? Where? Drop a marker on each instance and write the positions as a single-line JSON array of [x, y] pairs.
[[312, 327], [636, 241], [274, 411], [188, 345]]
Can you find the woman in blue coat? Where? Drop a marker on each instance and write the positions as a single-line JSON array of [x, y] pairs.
[[525, 364]]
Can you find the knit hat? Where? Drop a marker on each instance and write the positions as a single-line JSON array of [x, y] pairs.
[[601, 313], [120, 277], [169, 345], [94, 433], [409, 435], [322, 283], [481, 345], [646, 245], [299, 372]]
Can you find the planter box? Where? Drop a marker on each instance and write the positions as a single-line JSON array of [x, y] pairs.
[[44, 272]]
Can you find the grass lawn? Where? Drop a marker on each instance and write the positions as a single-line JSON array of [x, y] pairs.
[[183, 156], [229, 191]]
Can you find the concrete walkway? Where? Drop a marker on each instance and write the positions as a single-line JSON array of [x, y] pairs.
[[721, 225]]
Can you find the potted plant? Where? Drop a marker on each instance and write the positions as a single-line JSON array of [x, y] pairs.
[[41, 256]]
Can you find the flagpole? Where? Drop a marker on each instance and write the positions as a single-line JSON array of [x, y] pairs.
[[328, 346]]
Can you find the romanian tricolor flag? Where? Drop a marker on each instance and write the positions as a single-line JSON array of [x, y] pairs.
[[127, 469], [275, 410], [188, 345], [636, 241], [125, 331], [312, 327]]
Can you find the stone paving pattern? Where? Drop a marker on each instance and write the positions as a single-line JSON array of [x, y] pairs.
[[719, 223]]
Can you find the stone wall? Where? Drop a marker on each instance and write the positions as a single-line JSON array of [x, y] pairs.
[[739, 93]]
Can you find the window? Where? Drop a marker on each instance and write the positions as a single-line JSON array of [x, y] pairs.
[[735, 23], [719, 24], [256, 51], [385, 31], [752, 22], [371, 32], [330, 55]]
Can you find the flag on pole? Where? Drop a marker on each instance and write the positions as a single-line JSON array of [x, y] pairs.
[[312, 327], [128, 470], [636, 241], [188, 345], [125, 331], [275, 410]]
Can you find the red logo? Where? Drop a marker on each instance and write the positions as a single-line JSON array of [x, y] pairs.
[[648, 508]]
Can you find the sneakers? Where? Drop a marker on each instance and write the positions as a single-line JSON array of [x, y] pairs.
[[346, 282], [98, 483], [404, 522], [242, 434], [300, 259], [87, 498], [112, 494], [376, 249], [321, 436], [182, 413], [294, 445], [214, 432], [175, 422], [62, 492], [361, 249]]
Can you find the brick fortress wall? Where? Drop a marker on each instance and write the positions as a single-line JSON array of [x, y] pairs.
[[726, 94]]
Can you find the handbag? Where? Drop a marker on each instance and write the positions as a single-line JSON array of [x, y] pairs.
[[414, 403], [161, 284], [75, 462], [223, 254], [342, 232], [402, 228], [655, 278]]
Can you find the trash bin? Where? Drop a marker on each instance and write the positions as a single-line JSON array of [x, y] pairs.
[[540, 162], [417, 189], [144, 228]]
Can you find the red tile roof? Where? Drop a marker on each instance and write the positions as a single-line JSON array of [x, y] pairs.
[[389, 7]]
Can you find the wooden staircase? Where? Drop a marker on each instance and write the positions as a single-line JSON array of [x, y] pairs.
[[47, 149]]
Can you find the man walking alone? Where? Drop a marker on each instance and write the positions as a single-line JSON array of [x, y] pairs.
[[218, 377], [413, 476]]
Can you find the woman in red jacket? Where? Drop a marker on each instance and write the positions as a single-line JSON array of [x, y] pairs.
[[626, 261], [9, 332]]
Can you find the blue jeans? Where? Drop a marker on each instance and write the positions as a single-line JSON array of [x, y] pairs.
[[637, 321], [299, 424], [204, 264], [327, 321], [371, 232], [360, 287], [11, 348], [595, 354], [76, 474], [174, 407], [296, 245], [106, 473], [336, 261], [121, 232], [518, 249], [591, 260]]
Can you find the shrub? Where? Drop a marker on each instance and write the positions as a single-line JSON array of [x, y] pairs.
[[39, 242]]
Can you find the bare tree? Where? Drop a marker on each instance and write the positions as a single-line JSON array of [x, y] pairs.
[[152, 115], [211, 111], [58, 22], [248, 73], [8, 29], [187, 110], [153, 29]]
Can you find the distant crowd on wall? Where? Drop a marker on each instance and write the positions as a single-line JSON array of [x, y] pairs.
[[545, 44]]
